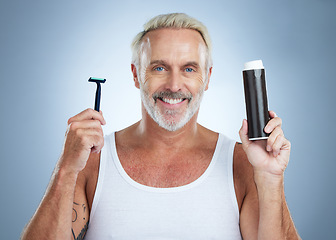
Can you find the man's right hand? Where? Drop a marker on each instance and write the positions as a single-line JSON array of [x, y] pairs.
[[84, 135]]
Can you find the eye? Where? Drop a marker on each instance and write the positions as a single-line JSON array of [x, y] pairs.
[[189, 70], [159, 69]]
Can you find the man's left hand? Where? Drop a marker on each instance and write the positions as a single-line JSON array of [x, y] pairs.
[[269, 156]]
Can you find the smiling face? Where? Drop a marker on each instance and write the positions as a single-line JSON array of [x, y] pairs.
[[172, 75]]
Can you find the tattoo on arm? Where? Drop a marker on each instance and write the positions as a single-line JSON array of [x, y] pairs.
[[82, 233], [75, 218], [73, 234], [75, 215]]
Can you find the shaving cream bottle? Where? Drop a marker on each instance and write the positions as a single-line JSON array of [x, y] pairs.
[[255, 99]]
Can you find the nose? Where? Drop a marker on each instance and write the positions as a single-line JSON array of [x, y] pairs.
[[174, 81]]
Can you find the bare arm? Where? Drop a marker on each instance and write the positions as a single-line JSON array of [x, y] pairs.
[[52, 220], [264, 212], [274, 214], [63, 212], [80, 210]]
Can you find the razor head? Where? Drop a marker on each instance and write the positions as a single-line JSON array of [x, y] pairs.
[[97, 80]]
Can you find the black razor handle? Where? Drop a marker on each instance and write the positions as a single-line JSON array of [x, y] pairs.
[[97, 101], [98, 81]]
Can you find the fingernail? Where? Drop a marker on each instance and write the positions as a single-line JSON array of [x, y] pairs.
[[268, 148]]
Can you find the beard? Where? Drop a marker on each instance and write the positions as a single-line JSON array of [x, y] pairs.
[[171, 119]]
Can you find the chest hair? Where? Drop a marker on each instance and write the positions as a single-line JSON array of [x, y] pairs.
[[164, 170]]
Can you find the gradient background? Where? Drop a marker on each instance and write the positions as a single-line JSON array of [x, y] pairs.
[[48, 50]]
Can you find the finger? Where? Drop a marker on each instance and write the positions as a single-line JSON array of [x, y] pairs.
[[277, 145], [96, 134], [271, 139], [87, 115], [243, 134], [272, 124], [91, 138], [85, 124], [272, 114]]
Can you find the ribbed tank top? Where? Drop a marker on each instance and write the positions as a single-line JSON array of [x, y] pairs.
[[124, 209]]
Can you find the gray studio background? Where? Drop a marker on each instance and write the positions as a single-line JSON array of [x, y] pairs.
[[48, 50]]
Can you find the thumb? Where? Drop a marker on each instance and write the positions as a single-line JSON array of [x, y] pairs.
[[243, 134]]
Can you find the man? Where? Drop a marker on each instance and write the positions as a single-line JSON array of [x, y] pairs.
[[166, 176]]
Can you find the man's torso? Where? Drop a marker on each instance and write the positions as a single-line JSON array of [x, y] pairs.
[[176, 168]]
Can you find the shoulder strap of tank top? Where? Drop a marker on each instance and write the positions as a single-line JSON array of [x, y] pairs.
[[228, 146]]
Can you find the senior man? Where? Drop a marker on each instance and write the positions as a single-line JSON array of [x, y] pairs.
[[166, 176]]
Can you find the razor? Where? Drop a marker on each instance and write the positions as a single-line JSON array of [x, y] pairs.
[[98, 91]]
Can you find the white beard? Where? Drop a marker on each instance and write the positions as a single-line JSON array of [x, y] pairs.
[[167, 119]]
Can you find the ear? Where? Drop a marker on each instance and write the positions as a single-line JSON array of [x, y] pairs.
[[135, 76], [209, 75]]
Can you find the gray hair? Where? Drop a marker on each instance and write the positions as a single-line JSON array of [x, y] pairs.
[[172, 20]]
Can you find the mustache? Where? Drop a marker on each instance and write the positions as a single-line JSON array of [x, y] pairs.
[[172, 95]]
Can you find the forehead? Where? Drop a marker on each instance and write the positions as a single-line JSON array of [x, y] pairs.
[[175, 43]]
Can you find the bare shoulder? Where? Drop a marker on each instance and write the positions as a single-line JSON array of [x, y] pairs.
[[207, 137], [242, 174], [127, 137]]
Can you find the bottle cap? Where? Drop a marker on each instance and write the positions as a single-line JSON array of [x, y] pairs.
[[256, 64]]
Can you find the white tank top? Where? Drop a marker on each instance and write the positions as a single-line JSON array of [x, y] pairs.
[[207, 208]]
